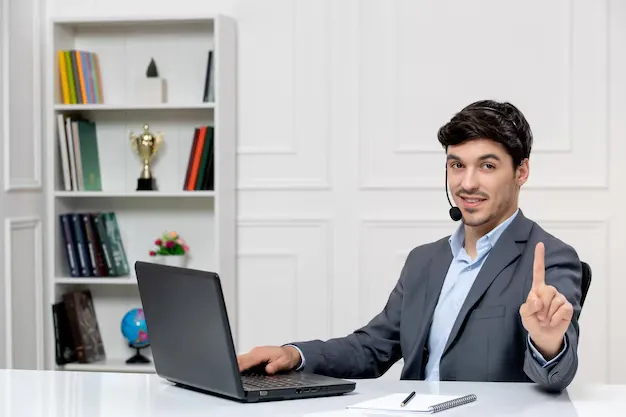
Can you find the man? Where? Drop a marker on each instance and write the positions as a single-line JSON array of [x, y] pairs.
[[498, 300]]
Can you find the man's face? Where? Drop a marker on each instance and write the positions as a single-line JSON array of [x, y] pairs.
[[483, 182]]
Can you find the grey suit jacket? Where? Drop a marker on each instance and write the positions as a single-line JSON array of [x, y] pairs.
[[487, 341]]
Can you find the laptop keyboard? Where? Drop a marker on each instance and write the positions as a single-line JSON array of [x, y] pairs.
[[259, 381]]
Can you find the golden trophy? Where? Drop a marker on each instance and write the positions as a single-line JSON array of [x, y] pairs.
[[146, 145]]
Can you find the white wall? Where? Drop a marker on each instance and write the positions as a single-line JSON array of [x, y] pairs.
[[21, 185], [340, 173]]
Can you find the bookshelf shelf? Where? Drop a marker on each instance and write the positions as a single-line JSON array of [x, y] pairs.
[[92, 203], [160, 21], [131, 107], [135, 194], [95, 281]]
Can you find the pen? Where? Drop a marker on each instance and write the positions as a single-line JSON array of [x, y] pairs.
[[407, 399]]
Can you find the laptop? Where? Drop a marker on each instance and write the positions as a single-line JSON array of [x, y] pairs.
[[192, 344]]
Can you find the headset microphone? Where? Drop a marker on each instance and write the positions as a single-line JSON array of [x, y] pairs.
[[455, 212]]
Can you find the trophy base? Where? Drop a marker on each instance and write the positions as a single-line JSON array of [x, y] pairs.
[[146, 184]]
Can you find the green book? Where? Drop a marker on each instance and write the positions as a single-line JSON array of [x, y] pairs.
[[105, 243], [88, 141], [117, 246]]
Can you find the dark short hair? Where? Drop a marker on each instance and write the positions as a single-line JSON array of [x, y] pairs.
[[488, 119]]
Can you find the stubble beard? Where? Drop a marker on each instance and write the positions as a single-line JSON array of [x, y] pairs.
[[487, 218], [479, 221]]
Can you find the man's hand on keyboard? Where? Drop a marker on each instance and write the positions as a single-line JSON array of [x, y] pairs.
[[275, 358]]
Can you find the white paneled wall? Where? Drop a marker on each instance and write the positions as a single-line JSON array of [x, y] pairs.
[[340, 173], [21, 198]]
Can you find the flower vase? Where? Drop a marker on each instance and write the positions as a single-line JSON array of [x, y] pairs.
[[172, 260]]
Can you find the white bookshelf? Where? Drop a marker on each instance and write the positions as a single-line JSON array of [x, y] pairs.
[[205, 219]]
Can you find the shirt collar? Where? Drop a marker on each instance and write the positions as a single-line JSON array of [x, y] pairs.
[[457, 239]]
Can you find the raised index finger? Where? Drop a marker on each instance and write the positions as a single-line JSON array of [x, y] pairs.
[[539, 267]]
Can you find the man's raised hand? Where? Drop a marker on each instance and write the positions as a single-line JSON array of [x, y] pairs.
[[546, 314]]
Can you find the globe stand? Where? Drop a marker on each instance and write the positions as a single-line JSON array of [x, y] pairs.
[[137, 357]]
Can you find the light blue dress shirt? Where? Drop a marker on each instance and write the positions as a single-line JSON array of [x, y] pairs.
[[459, 280]]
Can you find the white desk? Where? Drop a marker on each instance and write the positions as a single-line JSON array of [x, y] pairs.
[[91, 394]]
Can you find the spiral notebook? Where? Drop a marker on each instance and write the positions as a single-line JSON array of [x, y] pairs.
[[421, 403]]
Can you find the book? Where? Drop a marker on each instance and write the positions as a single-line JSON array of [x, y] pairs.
[[65, 347], [93, 245], [84, 327], [420, 403]]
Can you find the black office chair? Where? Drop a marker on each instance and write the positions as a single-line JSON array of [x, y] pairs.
[[586, 282]]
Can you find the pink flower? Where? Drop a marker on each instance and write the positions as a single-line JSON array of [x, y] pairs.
[[152, 253], [180, 241], [158, 242], [169, 244], [186, 248]]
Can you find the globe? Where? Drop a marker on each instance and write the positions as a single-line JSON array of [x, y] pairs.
[[134, 328], [135, 332]]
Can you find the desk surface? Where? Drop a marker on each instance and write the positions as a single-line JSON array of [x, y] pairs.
[[91, 394]]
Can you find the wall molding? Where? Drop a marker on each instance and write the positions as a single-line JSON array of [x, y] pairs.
[[34, 182], [267, 150], [261, 221], [370, 179], [297, 182], [562, 147], [286, 184], [11, 225], [323, 223], [275, 256]]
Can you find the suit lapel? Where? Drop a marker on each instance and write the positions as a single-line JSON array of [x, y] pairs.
[[436, 277], [502, 254], [437, 272]]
